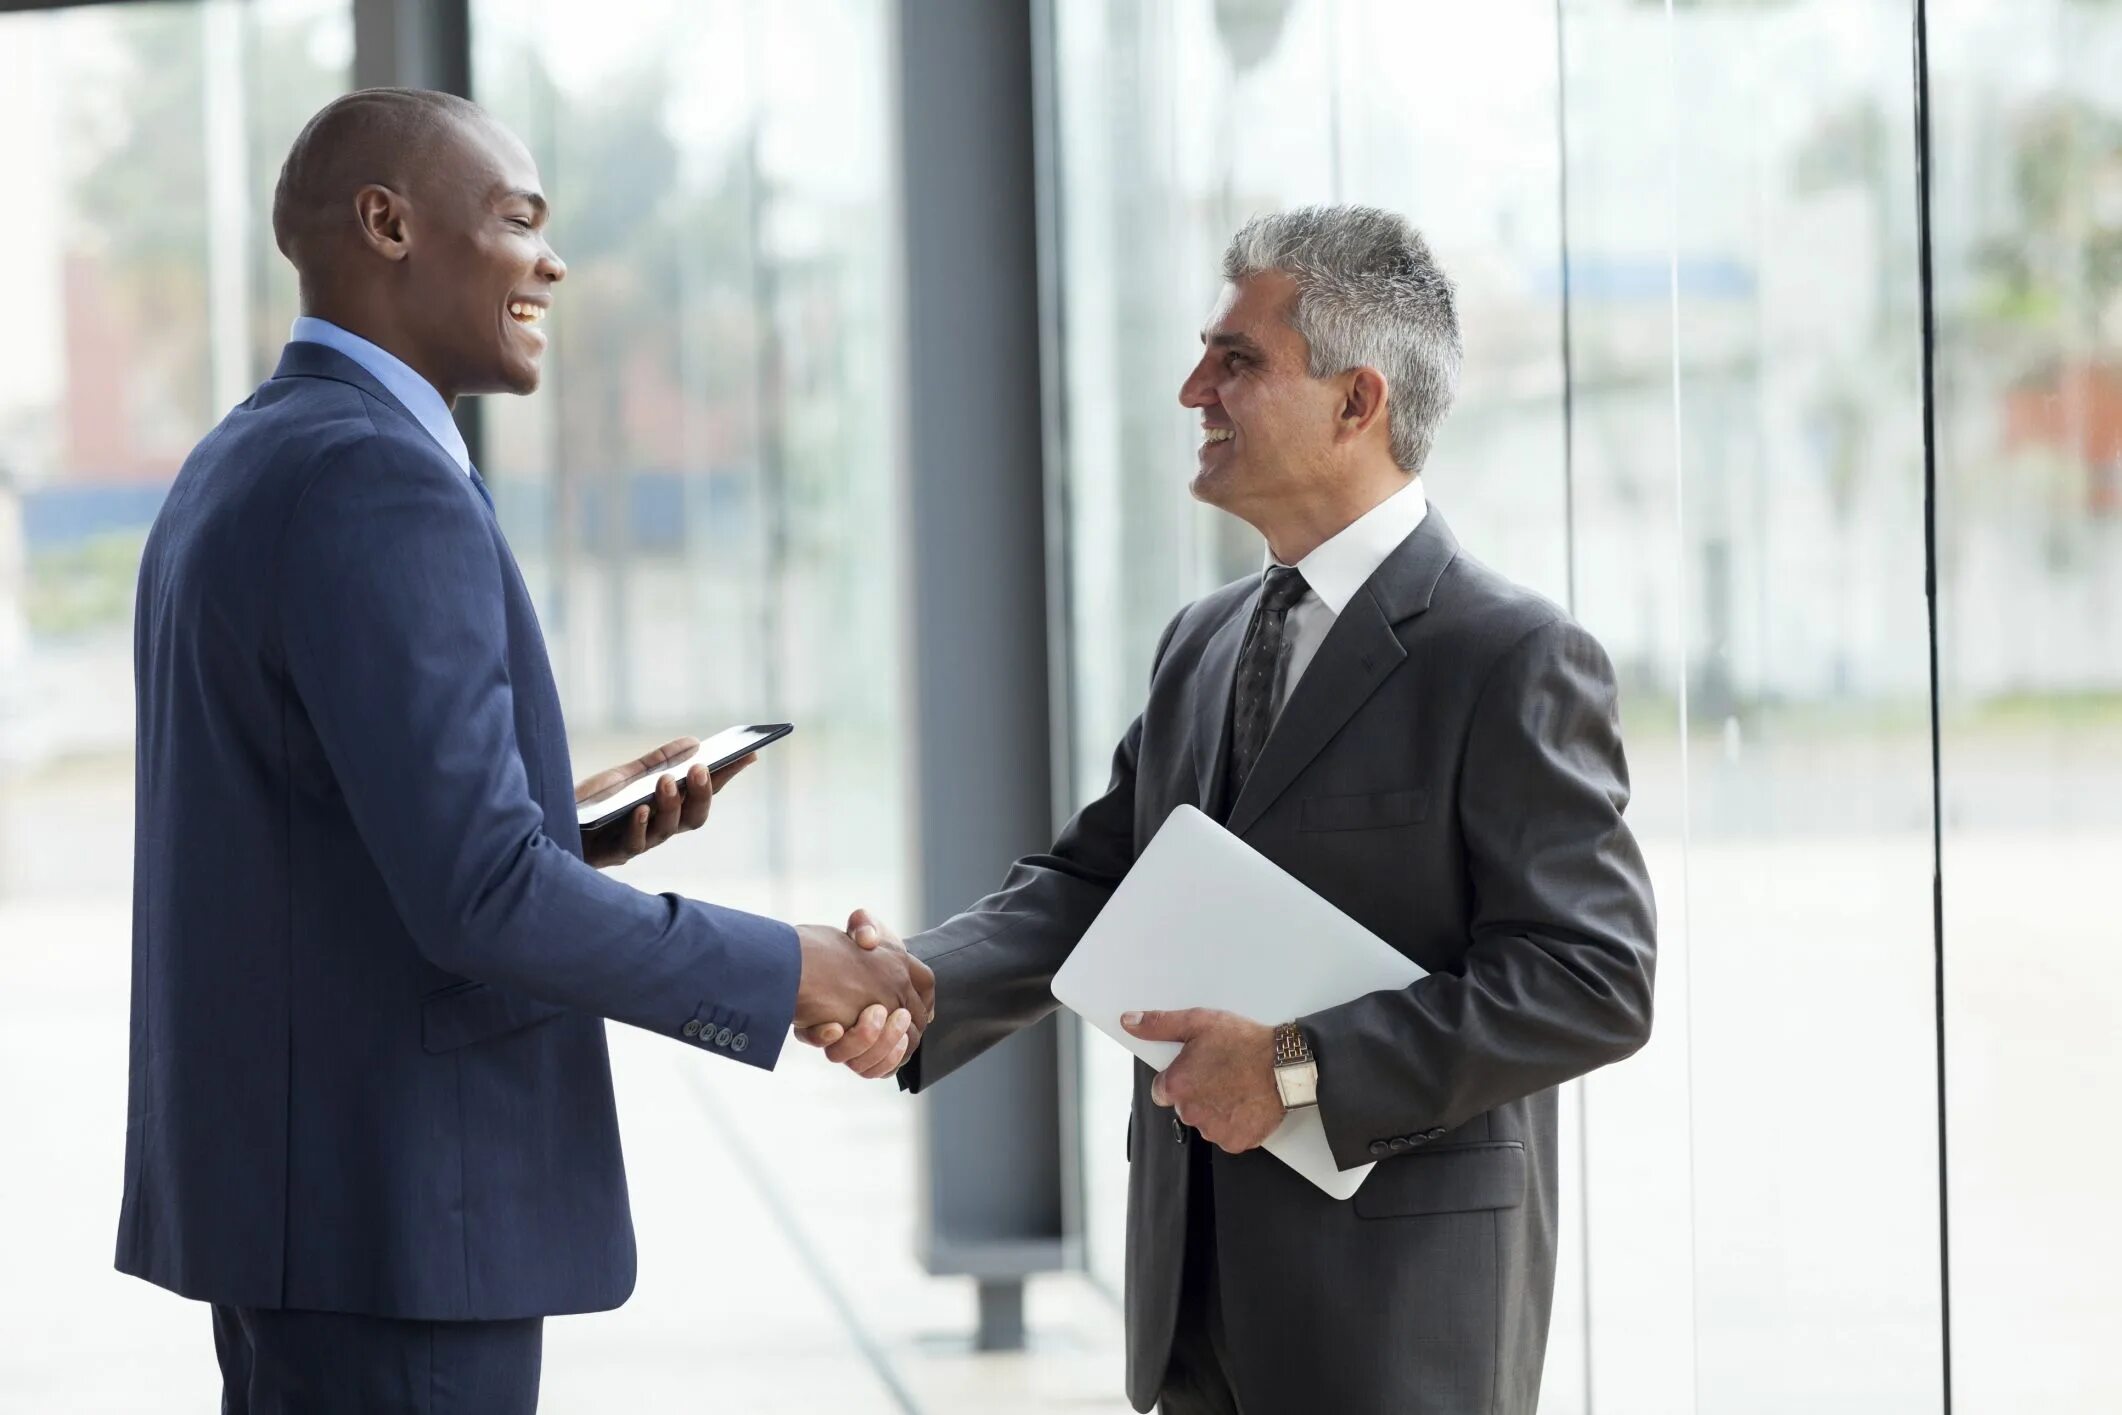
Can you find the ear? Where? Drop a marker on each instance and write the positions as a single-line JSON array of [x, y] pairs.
[[1363, 404], [380, 218]]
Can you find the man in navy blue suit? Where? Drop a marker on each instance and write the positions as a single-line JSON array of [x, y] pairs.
[[371, 1115]]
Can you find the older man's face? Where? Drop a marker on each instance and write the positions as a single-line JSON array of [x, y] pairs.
[[1267, 426]]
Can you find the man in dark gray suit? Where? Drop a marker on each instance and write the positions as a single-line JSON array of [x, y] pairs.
[[1434, 750]]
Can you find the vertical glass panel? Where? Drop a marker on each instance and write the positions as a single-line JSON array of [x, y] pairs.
[[145, 298], [1177, 122], [2027, 212], [1748, 538], [699, 492]]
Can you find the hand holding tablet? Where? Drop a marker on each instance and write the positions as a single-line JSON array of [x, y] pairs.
[[601, 801]]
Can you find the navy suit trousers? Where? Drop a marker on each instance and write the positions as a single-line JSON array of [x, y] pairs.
[[335, 1363]]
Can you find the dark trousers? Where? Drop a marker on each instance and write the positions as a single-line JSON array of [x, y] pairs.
[[333, 1363], [1197, 1382]]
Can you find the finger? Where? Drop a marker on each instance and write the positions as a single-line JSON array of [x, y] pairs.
[[925, 985], [697, 798], [636, 837], [868, 1030], [674, 748], [863, 929], [669, 807], [723, 777], [889, 1047], [910, 995], [1158, 1091], [1176, 1026], [890, 1063], [821, 1036]]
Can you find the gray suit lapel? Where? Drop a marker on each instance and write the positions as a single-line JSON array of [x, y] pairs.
[[1359, 652]]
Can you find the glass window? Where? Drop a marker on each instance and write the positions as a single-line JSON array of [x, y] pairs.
[[145, 298], [701, 492], [148, 300], [2027, 221], [1748, 542]]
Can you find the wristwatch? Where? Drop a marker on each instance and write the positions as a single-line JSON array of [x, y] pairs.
[[1296, 1072]]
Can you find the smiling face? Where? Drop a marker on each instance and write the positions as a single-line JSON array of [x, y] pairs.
[[1268, 428], [479, 278]]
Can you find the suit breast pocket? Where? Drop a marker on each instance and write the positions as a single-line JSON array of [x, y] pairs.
[[1378, 810]]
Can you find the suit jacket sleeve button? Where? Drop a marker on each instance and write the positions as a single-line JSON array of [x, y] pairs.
[[1401, 1144], [1380, 1148], [692, 1027], [1178, 1131], [722, 1037], [739, 1042]]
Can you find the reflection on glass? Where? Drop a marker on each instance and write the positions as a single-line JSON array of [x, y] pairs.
[[146, 299], [1749, 542], [2027, 137], [702, 490]]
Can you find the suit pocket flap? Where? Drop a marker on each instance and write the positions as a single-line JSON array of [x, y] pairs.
[[1372, 812], [1448, 1180], [475, 1012]]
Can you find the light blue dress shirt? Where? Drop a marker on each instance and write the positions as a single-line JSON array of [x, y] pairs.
[[409, 388]]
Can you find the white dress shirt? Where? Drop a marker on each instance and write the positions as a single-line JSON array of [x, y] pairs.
[[1337, 569]]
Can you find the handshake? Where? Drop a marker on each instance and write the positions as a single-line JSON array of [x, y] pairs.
[[863, 997]]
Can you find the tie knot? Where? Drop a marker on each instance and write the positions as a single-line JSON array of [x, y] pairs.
[[1281, 588]]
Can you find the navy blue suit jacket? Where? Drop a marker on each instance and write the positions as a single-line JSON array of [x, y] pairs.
[[370, 966]]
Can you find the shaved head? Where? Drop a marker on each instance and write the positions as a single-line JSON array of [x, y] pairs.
[[415, 220], [384, 137]]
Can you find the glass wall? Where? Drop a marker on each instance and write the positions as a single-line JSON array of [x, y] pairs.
[[148, 299], [702, 490], [145, 299], [2027, 141], [1692, 290]]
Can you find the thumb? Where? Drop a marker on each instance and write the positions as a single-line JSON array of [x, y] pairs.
[[1176, 1026], [863, 929]]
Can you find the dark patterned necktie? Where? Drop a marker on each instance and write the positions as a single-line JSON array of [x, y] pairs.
[[1260, 673]]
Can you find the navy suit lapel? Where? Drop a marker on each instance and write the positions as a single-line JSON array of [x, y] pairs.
[[1359, 652]]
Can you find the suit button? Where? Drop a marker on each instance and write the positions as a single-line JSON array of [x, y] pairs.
[[692, 1027], [1433, 1134], [739, 1042], [1380, 1148], [1178, 1131], [1401, 1144], [722, 1037]]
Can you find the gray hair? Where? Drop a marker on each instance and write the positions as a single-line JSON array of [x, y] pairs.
[[1368, 293]]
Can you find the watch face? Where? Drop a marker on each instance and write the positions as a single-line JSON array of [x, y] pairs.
[[1299, 1084]]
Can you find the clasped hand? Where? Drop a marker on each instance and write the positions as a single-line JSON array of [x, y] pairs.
[[862, 983], [857, 981]]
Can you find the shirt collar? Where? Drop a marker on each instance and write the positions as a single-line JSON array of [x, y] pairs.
[[398, 379], [1344, 561]]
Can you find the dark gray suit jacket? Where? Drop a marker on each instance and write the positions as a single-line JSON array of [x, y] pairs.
[[1449, 772]]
